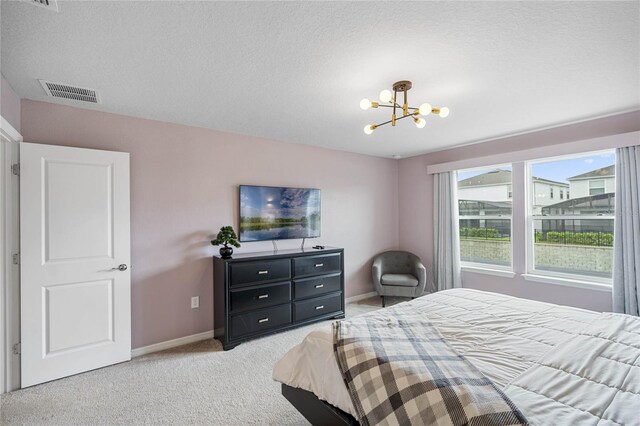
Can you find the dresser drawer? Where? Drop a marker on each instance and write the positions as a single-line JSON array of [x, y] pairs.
[[317, 286], [258, 321], [266, 270], [316, 265], [316, 307], [260, 297]]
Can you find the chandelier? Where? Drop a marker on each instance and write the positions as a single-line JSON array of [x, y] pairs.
[[390, 100]]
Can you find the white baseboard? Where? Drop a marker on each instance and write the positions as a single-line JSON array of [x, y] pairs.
[[361, 297], [156, 347]]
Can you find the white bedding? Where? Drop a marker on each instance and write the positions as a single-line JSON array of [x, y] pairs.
[[559, 365]]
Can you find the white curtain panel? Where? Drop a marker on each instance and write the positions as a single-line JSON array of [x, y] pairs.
[[626, 263], [446, 262]]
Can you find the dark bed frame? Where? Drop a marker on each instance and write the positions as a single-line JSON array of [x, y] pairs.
[[318, 412]]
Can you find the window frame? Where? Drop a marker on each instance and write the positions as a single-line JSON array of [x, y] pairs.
[[476, 266], [531, 271]]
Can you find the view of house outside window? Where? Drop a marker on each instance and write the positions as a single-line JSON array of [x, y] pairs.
[[570, 220], [574, 236], [484, 208]]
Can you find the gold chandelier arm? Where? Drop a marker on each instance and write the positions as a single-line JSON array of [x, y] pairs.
[[395, 103], [391, 106], [405, 106], [398, 106], [399, 118]]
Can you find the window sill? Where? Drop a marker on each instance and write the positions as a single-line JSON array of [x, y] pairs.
[[488, 271], [590, 285]]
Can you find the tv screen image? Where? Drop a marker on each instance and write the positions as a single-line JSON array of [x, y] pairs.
[[276, 213]]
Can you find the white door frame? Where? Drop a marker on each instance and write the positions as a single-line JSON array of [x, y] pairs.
[[9, 245]]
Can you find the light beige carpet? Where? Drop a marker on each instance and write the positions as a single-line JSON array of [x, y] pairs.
[[192, 384]]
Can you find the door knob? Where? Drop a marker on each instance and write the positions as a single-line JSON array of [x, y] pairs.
[[121, 267]]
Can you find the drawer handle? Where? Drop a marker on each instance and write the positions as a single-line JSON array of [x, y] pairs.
[[318, 265], [319, 307], [319, 285], [263, 320], [262, 272], [263, 296]]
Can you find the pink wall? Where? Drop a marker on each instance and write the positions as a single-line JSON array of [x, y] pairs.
[[184, 187], [9, 104], [416, 195]]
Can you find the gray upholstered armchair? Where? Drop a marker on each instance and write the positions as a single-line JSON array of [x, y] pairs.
[[398, 273]]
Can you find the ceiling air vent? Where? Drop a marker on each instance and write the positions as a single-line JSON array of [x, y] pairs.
[[61, 90], [47, 4]]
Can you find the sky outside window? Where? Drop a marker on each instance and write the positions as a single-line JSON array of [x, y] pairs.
[[560, 170]]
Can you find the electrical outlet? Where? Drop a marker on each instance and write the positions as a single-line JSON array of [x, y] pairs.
[[195, 302]]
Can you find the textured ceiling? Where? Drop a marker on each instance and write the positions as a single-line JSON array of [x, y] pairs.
[[296, 71]]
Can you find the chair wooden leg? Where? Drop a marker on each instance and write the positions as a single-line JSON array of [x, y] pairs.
[[383, 302]]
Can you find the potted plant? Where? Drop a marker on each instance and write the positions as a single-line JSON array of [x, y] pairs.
[[226, 237]]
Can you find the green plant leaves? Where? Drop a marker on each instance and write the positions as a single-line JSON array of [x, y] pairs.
[[225, 237]]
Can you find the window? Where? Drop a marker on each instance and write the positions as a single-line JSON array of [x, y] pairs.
[[596, 187], [551, 192], [561, 194], [574, 238], [485, 216]]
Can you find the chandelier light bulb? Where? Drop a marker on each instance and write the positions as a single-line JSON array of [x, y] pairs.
[[365, 104], [368, 129], [385, 96], [420, 122], [425, 109], [444, 112]]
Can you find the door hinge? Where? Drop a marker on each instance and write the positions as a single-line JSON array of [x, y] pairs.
[[17, 348], [16, 258], [15, 169]]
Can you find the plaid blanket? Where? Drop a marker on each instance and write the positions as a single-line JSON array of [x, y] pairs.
[[400, 370]]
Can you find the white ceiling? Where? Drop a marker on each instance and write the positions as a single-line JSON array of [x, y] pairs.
[[296, 71]]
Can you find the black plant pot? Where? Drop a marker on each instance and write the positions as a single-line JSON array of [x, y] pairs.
[[226, 252]]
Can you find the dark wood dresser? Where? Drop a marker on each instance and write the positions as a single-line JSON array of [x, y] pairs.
[[256, 294]]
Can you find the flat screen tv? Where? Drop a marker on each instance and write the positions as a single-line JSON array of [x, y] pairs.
[[276, 213]]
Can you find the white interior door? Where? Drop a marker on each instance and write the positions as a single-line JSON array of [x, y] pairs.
[[75, 255]]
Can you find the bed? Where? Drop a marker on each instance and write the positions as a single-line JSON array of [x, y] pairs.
[[559, 365]]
